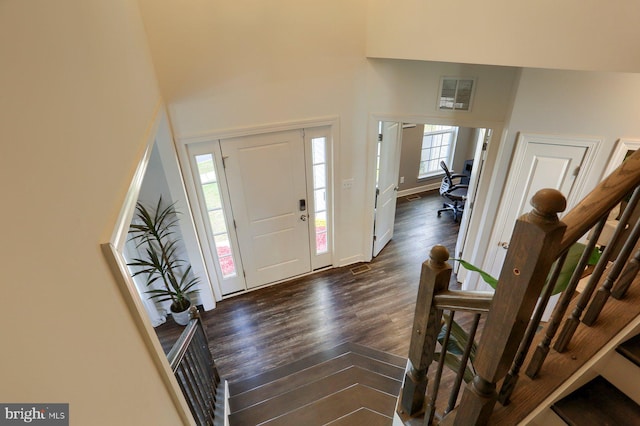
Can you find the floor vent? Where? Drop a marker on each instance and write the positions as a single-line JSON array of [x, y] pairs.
[[360, 269], [413, 197]]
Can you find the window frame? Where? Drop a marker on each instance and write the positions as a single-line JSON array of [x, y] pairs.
[[453, 130]]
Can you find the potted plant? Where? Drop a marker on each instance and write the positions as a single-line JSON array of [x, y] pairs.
[[155, 231]]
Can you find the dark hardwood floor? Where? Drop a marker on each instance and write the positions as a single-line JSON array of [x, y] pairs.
[[267, 328]]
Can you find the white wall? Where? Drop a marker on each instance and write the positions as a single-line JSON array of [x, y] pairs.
[[572, 34], [78, 96], [229, 66], [599, 105], [253, 63]]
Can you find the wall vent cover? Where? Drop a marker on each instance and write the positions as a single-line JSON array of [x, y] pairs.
[[456, 93]]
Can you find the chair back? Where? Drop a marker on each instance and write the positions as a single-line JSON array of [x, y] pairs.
[[447, 180]]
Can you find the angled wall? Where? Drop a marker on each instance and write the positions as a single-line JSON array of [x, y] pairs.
[[78, 97]]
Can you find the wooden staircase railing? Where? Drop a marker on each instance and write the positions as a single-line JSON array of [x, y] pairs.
[[540, 241], [196, 371]]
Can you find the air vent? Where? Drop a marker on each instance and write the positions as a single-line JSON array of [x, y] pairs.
[[456, 93]]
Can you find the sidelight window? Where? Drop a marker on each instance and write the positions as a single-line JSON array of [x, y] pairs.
[[319, 163], [215, 214]]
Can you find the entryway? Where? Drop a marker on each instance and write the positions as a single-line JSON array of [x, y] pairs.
[[265, 205], [408, 157]]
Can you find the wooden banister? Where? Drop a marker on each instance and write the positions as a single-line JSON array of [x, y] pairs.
[[468, 301], [601, 200], [539, 239], [434, 277], [531, 253]]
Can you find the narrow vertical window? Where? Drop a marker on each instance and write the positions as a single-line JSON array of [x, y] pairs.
[[215, 214], [318, 158]]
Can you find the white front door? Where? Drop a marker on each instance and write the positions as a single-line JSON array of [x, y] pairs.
[[388, 162], [268, 192], [539, 162]]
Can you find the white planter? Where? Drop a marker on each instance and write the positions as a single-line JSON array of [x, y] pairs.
[[183, 317]]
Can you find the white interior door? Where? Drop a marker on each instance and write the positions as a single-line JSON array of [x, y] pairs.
[[388, 162], [539, 163], [483, 137], [267, 186]]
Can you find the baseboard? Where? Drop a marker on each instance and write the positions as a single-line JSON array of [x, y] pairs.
[[351, 260], [418, 189]]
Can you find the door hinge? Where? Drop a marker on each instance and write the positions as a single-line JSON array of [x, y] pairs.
[[377, 191], [224, 161], [234, 224], [485, 145], [375, 238], [576, 171], [380, 137]]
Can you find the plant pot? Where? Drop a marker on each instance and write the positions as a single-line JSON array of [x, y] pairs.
[[181, 317]]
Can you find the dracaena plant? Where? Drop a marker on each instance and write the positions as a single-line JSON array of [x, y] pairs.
[[154, 230]]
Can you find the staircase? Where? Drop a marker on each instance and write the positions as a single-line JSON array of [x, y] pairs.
[[607, 394], [349, 384]]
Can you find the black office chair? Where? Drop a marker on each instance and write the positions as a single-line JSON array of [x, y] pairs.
[[453, 192]]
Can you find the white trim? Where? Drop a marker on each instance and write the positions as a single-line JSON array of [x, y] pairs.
[[617, 156], [592, 144], [418, 189], [322, 260], [121, 229], [215, 136], [203, 226], [482, 209], [235, 132], [353, 259], [113, 254]]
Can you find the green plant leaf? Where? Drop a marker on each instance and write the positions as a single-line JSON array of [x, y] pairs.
[[570, 264], [486, 277]]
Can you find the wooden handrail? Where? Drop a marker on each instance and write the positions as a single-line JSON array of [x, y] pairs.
[[468, 301], [601, 200], [539, 239], [529, 258]]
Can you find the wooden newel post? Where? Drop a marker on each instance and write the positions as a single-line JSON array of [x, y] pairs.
[[532, 250], [434, 277]]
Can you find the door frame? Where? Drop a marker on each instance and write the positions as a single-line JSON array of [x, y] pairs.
[[592, 145], [484, 210], [182, 144]]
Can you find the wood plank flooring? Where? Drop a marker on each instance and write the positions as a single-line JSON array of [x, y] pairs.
[[267, 328]]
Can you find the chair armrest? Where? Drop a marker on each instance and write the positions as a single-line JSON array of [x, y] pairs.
[[458, 187]]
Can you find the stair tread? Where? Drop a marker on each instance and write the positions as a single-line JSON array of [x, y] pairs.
[[631, 350], [309, 361], [598, 403], [339, 405], [362, 416], [312, 374], [307, 394]]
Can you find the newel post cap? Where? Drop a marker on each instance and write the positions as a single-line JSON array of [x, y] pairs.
[[548, 202], [439, 254]]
